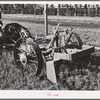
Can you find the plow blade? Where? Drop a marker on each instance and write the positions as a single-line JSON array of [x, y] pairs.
[[74, 54]]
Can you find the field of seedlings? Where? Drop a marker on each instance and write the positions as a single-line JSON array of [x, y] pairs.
[[83, 74]]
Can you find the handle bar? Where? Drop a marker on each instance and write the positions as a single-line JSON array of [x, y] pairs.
[[55, 34]]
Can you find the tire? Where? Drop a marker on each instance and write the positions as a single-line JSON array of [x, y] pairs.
[[14, 31], [77, 43], [36, 51]]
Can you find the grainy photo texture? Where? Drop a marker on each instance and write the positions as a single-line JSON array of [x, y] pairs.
[[50, 47]]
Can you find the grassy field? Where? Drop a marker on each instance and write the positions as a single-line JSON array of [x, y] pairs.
[[81, 75], [86, 27]]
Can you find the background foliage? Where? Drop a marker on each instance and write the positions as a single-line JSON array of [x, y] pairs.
[[60, 9]]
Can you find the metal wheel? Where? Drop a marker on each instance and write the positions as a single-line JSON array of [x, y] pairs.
[[74, 41], [27, 54]]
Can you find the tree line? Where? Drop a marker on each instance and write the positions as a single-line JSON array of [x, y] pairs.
[[60, 9]]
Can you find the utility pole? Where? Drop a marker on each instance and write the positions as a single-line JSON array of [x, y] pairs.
[[46, 18], [0, 13]]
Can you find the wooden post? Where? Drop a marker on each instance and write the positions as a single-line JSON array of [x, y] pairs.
[[46, 19], [22, 9], [70, 10], [0, 14], [34, 9], [96, 10], [58, 10], [75, 13], [66, 13], [85, 10], [89, 10], [52, 9], [80, 7]]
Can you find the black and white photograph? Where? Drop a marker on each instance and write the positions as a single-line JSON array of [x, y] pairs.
[[52, 46]]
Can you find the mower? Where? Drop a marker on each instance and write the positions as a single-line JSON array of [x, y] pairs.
[[37, 52]]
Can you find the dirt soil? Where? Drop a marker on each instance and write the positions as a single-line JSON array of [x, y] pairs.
[[83, 74]]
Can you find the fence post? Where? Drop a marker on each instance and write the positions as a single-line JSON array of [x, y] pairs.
[[52, 9], [85, 10], [0, 14], [58, 9], [80, 7], [34, 9], [75, 13], [96, 12], [46, 18], [70, 10], [89, 10], [66, 13], [22, 9]]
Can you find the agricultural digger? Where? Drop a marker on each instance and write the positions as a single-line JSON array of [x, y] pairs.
[[43, 51]]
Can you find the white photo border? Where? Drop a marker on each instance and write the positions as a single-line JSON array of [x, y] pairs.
[[43, 94]]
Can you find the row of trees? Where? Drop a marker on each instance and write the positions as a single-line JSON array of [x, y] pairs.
[[60, 9]]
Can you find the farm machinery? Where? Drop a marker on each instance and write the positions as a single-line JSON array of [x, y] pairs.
[[37, 52]]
